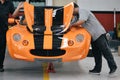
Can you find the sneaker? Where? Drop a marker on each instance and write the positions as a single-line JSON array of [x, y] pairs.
[[1, 70], [94, 72], [112, 70]]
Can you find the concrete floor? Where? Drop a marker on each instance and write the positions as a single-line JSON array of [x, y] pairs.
[[78, 70]]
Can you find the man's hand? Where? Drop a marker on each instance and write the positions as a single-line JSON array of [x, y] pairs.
[[78, 23], [20, 5]]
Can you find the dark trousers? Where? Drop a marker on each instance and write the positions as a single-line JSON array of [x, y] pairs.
[[2, 47], [101, 47]]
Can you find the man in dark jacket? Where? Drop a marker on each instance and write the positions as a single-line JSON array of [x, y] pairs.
[[6, 8]]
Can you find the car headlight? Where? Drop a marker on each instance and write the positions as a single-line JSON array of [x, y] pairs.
[[79, 37], [16, 37]]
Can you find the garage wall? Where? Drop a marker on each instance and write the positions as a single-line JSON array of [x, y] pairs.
[[101, 5], [62, 2], [107, 19], [104, 11]]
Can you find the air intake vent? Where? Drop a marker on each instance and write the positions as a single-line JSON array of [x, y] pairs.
[[47, 53]]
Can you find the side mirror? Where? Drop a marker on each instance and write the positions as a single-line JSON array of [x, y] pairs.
[[13, 21]]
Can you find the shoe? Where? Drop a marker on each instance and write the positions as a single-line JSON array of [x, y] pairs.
[[112, 70], [1, 70], [94, 72]]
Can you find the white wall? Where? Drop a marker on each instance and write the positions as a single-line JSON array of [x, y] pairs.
[[49, 2], [62, 2], [100, 5]]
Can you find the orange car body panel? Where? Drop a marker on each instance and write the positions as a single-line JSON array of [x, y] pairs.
[[21, 49]]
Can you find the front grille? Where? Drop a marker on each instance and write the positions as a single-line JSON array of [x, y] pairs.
[[47, 53]]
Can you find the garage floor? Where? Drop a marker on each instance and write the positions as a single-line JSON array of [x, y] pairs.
[[78, 70]]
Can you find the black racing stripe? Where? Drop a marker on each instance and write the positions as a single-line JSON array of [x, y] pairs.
[[38, 40], [38, 27], [58, 18], [38, 15], [57, 41], [56, 29]]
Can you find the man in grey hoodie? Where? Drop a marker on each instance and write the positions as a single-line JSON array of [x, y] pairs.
[[99, 41]]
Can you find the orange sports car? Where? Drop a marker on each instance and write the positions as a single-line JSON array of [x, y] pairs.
[[46, 35]]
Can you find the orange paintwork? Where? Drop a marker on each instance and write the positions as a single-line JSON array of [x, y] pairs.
[[29, 14], [68, 11], [48, 21], [75, 42], [48, 32]]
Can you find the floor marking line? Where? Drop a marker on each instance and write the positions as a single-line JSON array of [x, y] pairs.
[[45, 73]]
